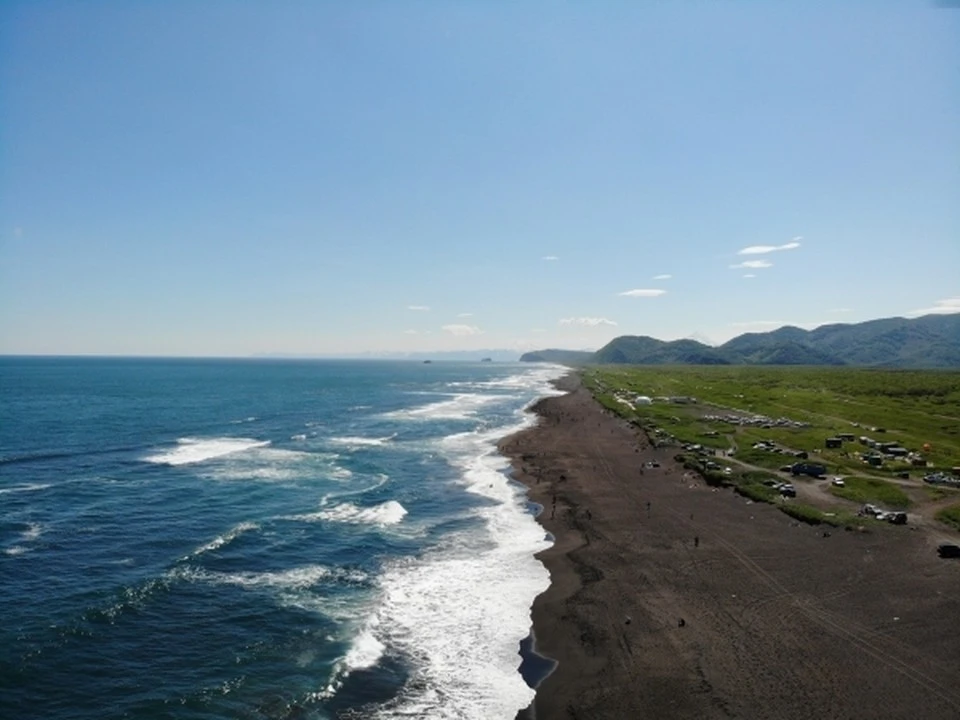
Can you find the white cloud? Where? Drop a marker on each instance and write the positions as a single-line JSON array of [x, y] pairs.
[[550, 257], [946, 306], [749, 275], [662, 277], [588, 321], [753, 264], [763, 249], [643, 293], [418, 308], [462, 330], [465, 315]]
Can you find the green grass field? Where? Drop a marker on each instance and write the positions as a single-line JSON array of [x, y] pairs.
[[919, 410], [950, 515], [872, 490]]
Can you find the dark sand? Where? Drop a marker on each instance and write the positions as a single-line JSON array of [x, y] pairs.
[[779, 620]]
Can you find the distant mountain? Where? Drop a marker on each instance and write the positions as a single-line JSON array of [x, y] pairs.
[[650, 351], [932, 341], [562, 357]]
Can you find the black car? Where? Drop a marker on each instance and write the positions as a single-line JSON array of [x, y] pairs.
[[948, 551]]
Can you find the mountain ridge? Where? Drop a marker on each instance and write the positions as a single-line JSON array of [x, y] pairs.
[[930, 341]]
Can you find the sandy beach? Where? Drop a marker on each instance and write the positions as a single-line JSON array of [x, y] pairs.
[[672, 599]]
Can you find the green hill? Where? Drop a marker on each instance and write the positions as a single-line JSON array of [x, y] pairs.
[[561, 357], [932, 341]]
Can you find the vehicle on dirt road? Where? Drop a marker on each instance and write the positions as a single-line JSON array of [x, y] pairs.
[[948, 551]]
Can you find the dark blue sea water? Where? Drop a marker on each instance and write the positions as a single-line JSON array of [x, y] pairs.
[[263, 539]]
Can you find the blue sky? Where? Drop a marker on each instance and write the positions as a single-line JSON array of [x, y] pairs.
[[223, 178]]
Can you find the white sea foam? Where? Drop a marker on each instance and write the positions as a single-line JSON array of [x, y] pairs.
[[272, 464], [194, 450], [30, 533], [535, 378], [364, 652], [462, 406], [362, 441], [388, 513], [228, 537], [32, 487], [298, 436], [382, 479], [293, 579], [461, 611]]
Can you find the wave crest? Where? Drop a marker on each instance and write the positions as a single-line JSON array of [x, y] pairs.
[[195, 450]]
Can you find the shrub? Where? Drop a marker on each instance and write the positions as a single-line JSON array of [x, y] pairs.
[[950, 515], [803, 513], [756, 492]]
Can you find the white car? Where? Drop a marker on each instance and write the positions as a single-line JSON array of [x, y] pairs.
[[838, 482]]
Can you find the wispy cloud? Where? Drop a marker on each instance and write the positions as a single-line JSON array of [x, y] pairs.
[[749, 275], [587, 321], [465, 315], [418, 308], [662, 277], [462, 330], [763, 249], [752, 264], [946, 306], [641, 292], [550, 257]]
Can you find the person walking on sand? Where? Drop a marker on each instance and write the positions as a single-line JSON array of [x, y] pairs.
[[696, 541]]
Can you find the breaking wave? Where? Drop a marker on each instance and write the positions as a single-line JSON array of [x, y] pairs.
[[195, 450]]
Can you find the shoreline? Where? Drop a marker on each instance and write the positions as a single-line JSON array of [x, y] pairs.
[[671, 599]]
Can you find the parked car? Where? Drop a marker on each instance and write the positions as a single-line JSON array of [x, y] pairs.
[[838, 482], [788, 490], [948, 551]]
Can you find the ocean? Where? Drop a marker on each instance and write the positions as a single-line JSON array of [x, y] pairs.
[[264, 539]]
